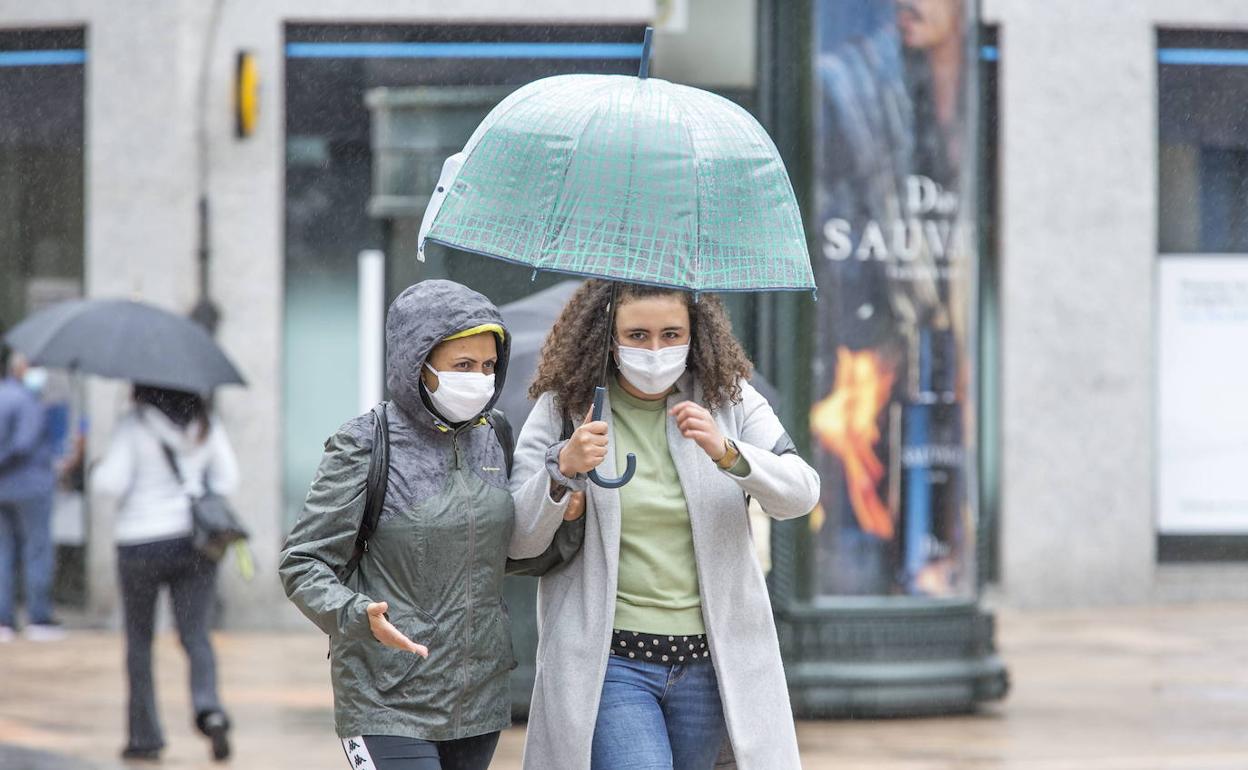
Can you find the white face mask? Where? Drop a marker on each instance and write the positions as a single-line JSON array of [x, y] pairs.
[[652, 371], [36, 378], [461, 395]]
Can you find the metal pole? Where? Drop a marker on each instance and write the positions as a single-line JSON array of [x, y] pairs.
[[372, 299], [606, 359], [643, 70], [600, 396], [205, 311]]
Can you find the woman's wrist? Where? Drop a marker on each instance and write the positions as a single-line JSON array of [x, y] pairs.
[[729, 456], [554, 470], [557, 491], [563, 467]]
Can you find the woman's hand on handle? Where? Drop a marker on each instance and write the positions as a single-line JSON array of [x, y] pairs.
[[586, 449], [385, 632], [696, 424]]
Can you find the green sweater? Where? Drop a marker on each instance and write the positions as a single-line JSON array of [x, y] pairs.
[[658, 577]]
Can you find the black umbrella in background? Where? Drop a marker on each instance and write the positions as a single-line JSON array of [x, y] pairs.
[[125, 340], [529, 321]]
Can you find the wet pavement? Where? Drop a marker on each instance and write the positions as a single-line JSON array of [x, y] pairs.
[[1123, 689]]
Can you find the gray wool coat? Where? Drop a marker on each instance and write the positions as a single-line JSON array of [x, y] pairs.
[[576, 603]]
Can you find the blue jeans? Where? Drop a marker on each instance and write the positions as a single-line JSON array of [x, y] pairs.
[[653, 715], [27, 524]]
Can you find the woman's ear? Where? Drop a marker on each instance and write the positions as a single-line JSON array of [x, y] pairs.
[[428, 378]]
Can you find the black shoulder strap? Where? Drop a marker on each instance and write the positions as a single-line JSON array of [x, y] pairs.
[[502, 428], [375, 491], [173, 462], [172, 459]]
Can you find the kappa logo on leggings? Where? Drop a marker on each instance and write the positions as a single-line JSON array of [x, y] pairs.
[[357, 753]]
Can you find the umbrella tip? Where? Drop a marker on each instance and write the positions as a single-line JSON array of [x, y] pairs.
[[643, 71]]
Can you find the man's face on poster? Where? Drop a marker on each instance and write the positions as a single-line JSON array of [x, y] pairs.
[[928, 23]]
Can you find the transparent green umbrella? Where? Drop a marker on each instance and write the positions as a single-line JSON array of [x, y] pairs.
[[628, 179]]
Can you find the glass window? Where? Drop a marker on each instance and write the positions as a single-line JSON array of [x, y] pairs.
[[330, 70], [41, 169], [42, 75], [1202, 294], [1202, 88], [894, 209]]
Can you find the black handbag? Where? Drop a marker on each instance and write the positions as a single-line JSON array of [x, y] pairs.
[[570, 535], [214, 526]]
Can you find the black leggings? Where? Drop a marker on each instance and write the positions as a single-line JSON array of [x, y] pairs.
[[388, 752]]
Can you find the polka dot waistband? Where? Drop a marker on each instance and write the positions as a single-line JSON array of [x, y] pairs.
[[656, 648]]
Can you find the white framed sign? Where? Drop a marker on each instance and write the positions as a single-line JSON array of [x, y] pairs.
[[1202, 425]]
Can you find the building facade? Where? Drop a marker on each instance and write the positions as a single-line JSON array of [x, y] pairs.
[[1103, 118], [1089, 213], [141, 75]]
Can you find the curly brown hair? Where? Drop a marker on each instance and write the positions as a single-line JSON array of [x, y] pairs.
[[571, 357]]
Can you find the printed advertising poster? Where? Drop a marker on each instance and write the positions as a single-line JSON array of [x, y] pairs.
[[1202, 381], [892, 423]]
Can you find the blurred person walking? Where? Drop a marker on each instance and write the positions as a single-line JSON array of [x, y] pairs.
[[27, 483], [420, 639], [657, 647], [166, 451]]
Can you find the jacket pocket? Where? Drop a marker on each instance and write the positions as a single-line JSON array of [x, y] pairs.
[[492, 645], [390, 667]]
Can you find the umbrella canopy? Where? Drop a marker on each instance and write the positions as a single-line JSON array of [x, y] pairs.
[[627, 178], [125, 340], [528, 321]]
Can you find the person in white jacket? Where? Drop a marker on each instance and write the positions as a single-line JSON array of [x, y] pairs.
[[153, 532], [657, 646]]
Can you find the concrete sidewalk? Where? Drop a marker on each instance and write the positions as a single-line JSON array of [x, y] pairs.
[[1137, 689]]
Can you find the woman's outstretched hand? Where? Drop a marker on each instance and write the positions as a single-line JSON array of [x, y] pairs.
[[696, 423], [385, 632]]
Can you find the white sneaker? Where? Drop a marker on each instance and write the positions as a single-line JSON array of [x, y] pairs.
[[44, 632], [7, 634]]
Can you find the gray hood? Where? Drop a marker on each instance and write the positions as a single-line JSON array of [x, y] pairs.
[[421, 317]]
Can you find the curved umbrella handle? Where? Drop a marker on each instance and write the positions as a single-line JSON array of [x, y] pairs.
[[599, 394]]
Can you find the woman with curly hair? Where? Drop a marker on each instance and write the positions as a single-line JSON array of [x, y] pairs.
[[657, 647]]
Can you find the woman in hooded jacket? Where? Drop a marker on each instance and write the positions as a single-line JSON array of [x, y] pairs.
[[166, 450], [660, 630], [420, 641]]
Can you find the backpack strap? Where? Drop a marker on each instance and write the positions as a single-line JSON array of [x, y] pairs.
[[506, 439], [375, 491]]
